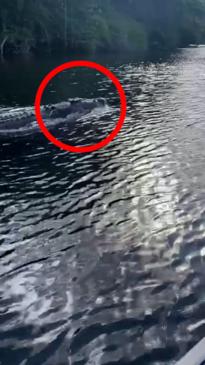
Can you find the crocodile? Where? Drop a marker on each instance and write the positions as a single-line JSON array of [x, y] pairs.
[[18, 122]]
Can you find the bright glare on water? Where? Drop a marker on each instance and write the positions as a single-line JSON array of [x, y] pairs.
[[102, 255]]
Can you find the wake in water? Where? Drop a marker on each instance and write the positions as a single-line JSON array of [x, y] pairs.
[[20, 122]]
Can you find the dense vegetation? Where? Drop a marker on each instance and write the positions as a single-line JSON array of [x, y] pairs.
[[93, 25]]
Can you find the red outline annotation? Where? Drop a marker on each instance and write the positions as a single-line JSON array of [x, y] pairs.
[[67, 66]]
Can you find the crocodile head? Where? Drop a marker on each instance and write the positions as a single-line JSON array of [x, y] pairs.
[[87, 105], [81, 106]]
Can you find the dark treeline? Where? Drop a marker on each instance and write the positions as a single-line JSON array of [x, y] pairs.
[[99, 25]]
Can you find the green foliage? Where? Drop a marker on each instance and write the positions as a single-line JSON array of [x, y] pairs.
[[124, 32], [93, 25]]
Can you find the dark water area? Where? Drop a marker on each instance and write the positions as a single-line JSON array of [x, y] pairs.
[[102, 255]]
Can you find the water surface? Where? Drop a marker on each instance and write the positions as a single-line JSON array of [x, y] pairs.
[[102, 255]]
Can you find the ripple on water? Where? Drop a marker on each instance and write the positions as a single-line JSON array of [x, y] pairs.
[[102, 255]]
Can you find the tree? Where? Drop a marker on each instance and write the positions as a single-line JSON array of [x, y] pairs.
[[91, 25]]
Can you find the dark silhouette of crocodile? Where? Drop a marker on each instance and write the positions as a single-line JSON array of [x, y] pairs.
[[19, 122]]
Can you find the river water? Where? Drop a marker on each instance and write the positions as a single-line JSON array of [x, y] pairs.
[[102, 255]]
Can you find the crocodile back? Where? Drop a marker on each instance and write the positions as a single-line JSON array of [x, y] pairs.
[[16, 118]]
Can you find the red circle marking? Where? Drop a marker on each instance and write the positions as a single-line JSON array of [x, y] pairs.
[[66, 66]]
